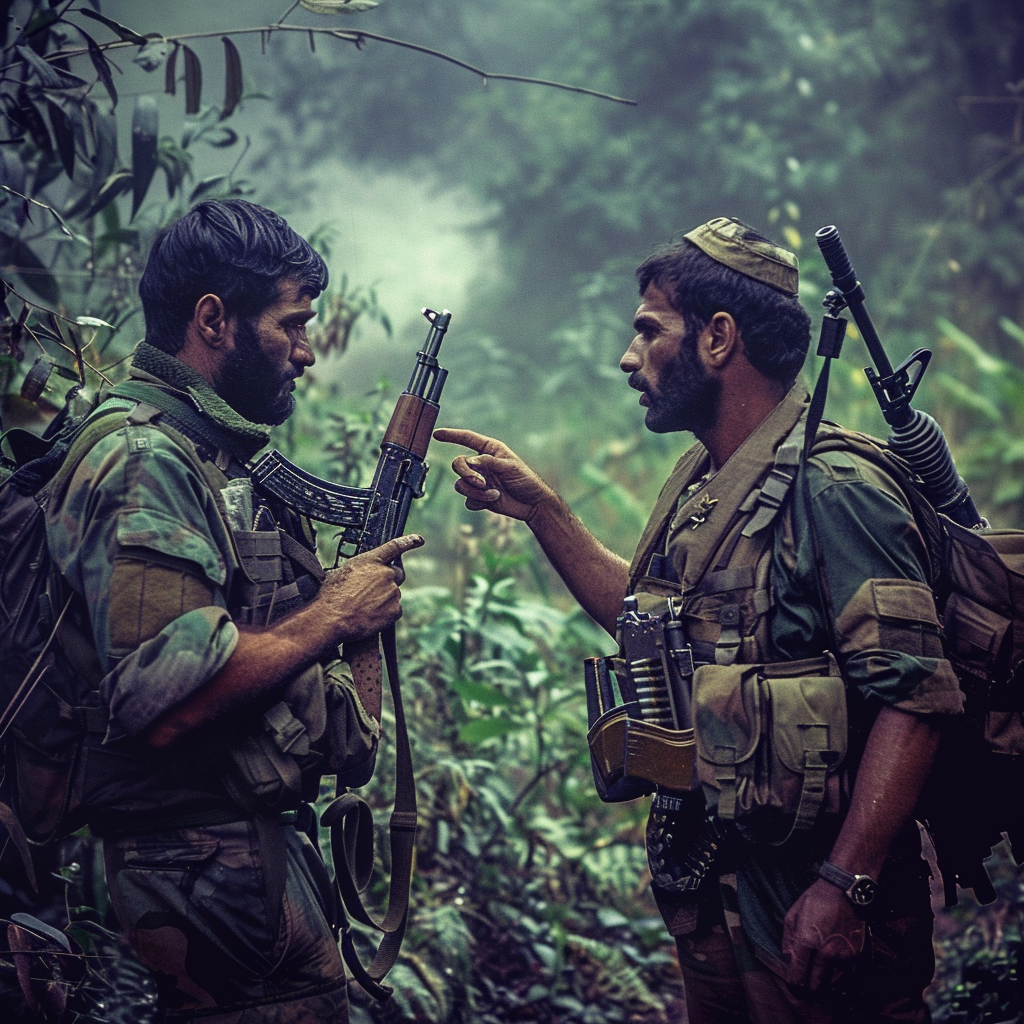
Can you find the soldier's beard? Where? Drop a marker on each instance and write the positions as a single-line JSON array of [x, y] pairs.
[[687, 398], [252, 386]]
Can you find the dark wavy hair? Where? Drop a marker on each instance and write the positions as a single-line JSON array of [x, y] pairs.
[[231, 248], [775, 327]]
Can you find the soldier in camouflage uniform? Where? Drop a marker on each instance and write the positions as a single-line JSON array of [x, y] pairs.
[[833, 922], [216, 634]]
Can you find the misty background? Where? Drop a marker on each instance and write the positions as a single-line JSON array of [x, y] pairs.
[[524, 209]]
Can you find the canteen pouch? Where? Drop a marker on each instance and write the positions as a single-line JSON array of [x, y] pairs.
[[630, 757], [771, 743], [266, 770]]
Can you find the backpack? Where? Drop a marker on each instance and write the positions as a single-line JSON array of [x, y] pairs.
[[977, 579], [51, 714], [52, 717], [973, 795]]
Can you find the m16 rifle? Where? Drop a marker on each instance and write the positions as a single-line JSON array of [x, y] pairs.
[[371, 516]]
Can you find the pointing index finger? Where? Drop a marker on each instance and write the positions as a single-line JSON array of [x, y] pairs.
[[469, 439]]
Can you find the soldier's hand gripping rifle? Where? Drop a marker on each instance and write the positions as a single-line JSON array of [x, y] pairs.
[[369, 517], [916, 436]]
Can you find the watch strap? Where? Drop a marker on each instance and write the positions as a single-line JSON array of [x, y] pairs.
[[859, 889]]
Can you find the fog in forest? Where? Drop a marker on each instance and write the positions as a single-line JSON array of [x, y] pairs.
[[524, 207]]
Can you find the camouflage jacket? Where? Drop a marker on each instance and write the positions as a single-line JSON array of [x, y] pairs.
[[141, 535], [757, 596]]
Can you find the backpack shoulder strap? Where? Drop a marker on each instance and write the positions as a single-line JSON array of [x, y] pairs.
[[683, 474]]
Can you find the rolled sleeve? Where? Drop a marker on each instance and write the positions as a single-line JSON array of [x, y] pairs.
[[165, 670], [872, 573]]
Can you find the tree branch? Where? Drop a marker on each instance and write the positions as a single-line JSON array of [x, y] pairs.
[[351, 36]]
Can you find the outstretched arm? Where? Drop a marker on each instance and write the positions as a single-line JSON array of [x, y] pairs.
[[497, 479]]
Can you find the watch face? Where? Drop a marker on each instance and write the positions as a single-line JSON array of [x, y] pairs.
[[862, 892]]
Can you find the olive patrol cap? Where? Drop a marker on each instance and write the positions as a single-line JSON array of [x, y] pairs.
[[722, 239]]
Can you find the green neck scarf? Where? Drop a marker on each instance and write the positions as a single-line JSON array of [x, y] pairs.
[[223, 425]]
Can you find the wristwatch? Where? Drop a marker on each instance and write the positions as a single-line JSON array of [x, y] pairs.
[[860, 889]]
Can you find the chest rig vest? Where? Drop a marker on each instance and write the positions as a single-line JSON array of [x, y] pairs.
[[762, 743], [270, 762], [708, 545], [748, 740]]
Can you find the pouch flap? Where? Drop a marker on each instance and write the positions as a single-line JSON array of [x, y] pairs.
[[808, 715], [260, 552], [978, 630], [902, 600], [727, 716]]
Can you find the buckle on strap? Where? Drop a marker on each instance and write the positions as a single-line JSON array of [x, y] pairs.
[[405, 820]]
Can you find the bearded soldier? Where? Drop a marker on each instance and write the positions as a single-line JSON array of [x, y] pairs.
[[213, 633], [792, 878]]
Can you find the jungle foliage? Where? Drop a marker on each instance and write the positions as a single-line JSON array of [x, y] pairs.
[[901, 123]]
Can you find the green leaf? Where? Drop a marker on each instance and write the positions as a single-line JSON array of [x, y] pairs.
[[92, 321], [144, 148], [1014, 330], [964, 396], [170, 74], [221, 137], [25, 113], [105, 152], [45, 74], [64, 133], [481, 693], [488, 729], [153, 54], [30, 269], [963, 341], [99, 62], [338, 6], [193, 81], [609, 917], [232, 77], [206, 186], [126, 34]]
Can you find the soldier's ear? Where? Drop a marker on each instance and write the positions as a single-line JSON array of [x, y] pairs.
[[210, 321], [720, 340]]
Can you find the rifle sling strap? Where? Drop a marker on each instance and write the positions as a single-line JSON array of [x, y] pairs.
[[351, 825]]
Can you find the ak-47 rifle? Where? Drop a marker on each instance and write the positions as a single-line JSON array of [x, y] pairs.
[[375, 514], [916, 436], [371, 516]]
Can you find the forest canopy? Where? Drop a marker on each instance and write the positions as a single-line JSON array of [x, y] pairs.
[[531, 204]]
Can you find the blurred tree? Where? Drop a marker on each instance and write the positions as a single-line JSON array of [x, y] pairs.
[[66, 242], [899, 123]]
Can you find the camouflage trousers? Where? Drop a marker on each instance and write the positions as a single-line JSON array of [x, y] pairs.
[[726, 983], [232, 920]]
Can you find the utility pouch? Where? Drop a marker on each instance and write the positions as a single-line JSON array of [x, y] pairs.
[[645, 740], [983, 633], [265, 770], [771, 743]]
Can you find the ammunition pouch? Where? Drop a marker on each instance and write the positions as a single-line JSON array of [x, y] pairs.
[[771, 744], [645, 740]]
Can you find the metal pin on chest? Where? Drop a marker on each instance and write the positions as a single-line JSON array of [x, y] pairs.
[[707, 503]]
